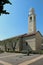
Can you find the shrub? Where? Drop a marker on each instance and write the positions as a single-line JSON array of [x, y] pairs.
[[1, 51]]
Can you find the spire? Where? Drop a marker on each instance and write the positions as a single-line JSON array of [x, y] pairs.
[[31, 11]]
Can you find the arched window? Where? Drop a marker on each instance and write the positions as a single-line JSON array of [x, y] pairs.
[[26, 43], [30, 18]]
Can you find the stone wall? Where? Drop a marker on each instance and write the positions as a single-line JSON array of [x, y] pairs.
[[31, 42], [18, 44], [38, 41]]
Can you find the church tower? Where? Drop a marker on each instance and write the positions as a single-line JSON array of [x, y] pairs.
[[31, 21]]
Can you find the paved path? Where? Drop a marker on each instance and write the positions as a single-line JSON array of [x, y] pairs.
[[31, 61], [5, 63], [39, 62], [17, 58]]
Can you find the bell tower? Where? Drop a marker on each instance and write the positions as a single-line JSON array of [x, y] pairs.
[[31, 21]]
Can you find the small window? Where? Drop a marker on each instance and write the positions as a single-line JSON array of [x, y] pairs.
[[26, 43], [34, 17], [30, 18]]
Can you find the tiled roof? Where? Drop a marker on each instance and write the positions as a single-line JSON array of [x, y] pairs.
[[23, 35], [26, 35]]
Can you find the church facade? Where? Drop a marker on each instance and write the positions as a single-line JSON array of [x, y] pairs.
[[33, 40]]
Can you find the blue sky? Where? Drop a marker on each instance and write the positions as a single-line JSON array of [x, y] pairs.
[[16, 22]]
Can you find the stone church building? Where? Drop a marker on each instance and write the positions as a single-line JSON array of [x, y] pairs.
[[33, 40]]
